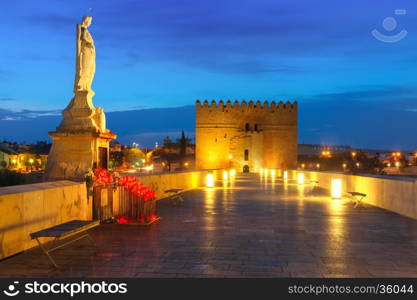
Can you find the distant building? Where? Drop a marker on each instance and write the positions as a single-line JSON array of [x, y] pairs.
[[246, 136], [115, 146], [8, 156]]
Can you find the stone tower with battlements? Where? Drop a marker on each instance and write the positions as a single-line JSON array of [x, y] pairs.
[[246, 135]]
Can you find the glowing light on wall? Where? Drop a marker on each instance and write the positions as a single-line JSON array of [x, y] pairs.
[[303, 166], [318, 166], [232, 173], [230, 156], [397, 164], [336, 190], [209, 180], [300, 178], [285, 176], [225, 175]]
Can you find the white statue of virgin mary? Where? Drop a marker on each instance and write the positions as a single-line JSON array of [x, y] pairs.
[[86, 57]]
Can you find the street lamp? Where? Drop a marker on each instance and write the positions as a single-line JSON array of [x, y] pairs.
[[31, 163]]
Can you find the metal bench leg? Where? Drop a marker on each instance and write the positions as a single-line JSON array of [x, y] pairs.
[[92, 240], [176, 199], [47, 253], [358, 201]]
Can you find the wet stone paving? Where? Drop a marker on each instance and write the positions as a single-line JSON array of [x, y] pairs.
[[251, 226]]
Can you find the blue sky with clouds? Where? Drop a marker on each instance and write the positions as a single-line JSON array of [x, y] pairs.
[[167, 53]]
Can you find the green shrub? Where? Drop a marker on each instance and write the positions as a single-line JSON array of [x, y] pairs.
[[8, 177]]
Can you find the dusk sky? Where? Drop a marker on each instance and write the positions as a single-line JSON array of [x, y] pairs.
[[166, 53]]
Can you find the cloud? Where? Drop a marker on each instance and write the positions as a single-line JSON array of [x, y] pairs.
[[9, 115], [11, 118], [51, 20], [370, 94], [7, 99]]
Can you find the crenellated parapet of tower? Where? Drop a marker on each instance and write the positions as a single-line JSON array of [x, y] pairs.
[[280, 105], [238, 113]]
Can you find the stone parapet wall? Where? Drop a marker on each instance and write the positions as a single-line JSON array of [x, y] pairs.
[[28, 208], [397, 194]]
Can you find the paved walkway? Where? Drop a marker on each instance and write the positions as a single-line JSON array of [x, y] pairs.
[[252, 228]]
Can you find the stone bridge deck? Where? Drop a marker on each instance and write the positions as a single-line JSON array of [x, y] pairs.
[[251, 228]]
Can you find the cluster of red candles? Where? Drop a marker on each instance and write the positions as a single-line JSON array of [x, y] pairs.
[[134, 186], [137, 188], [102, 176]]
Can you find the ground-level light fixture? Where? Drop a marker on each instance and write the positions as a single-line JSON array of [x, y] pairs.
[[285, 175], [225, 175], [300, 178], [266, 172], [209, 180], [336, 188], [273, 173]]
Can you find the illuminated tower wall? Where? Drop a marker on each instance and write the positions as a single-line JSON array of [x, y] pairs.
[[244, 134]]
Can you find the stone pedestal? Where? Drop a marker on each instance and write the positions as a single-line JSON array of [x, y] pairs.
[[72, 154], [81, 141], [79, 114]]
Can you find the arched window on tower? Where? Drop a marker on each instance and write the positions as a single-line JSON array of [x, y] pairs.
[[256, 127], [247, 127]]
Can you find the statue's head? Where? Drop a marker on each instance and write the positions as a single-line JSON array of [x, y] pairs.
[[87, 21]]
